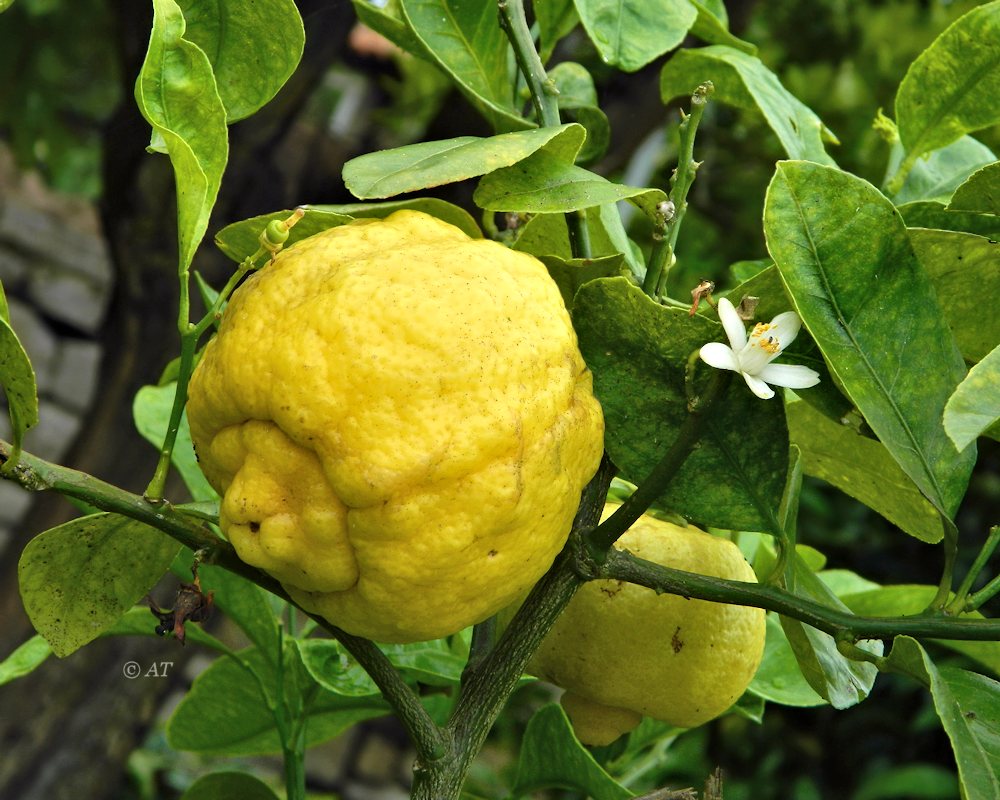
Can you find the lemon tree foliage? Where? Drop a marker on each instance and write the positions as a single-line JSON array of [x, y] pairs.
[[437, 452]]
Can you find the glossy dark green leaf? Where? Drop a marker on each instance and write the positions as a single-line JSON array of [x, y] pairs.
[[931, 214], [980, 193], [743, 81], [543, 183], [862, 468], [151, 413], [552, 757], [240, 240], [427, 164], [17, 379], [630, 33], [975, 405], [224, 713], [638, 351], [840, 681], [433, 663], [968, 705], [466, 41], [25, 659], [229, 786], [904, 600], [571, 274], [965, 271], [711, 28], [270, 30], [78, 578], [778, 678], [951, 88], [846, 260], [441, 209], [937, 175], [555, 19], [177, 95]]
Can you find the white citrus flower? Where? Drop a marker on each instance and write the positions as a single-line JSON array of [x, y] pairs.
[[752, 357]]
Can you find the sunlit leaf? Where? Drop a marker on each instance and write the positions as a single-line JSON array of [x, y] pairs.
[[980, 193], [743, 81], [937, 175], [846, 260], [965, 271], [466, 41], [552, 757], [427, 164], [77, 579], [17, 379], [177, 94], [975, 405], [950, 89], [712, 26], [270, 30], [630, 33], [25, 659]]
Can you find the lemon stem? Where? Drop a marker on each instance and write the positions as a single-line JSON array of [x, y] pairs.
[[544, 98], [667, 225], [962, 601], [608, 532]]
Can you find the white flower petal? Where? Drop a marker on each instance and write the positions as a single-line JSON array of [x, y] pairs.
[[785, 327], [793, 376], [736, 331], [758, 387], [717, 355], [753, 358]]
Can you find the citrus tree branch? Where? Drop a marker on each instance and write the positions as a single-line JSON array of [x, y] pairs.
[[624, 566], [36, 475]]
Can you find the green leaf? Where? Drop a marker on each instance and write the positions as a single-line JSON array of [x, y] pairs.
[[431, 662], [555, 19], [240, 240], [638, 352], [980, 193], [937, 175], [229, 786], [845, 258], [904, 600], [630, 33], [77, 579], [862, 468], [17, 379], [778, 678], [552, 757], [929, 214], [715, 30], [466, 41], [334, 669], [545, 184], [571, 274], [840, 681], [950, 89], [578, 103], [387, 19], [224, 713], [441, 209], [244, 603], [743, 81], [975, 405], [909, 782], [4, 308], [427, 164], [177, 95], [965, 271], [151, 412], [968, 705], [25, 659], [253, 47]]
